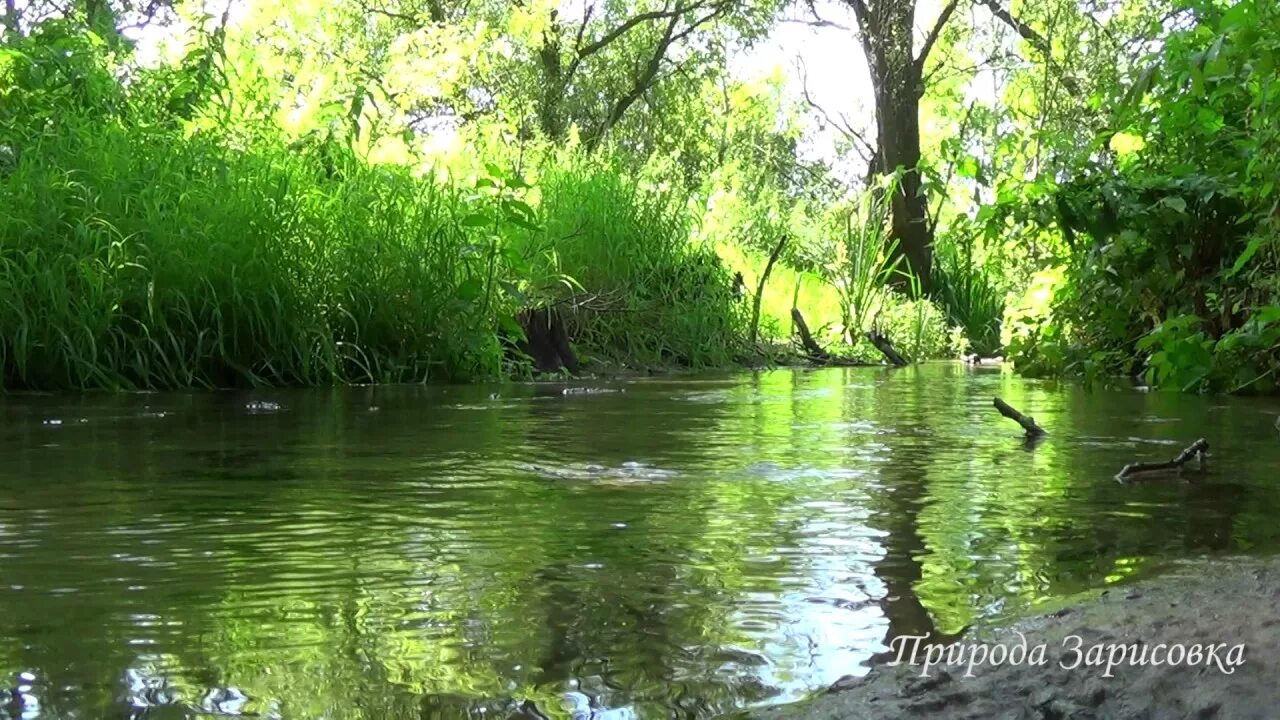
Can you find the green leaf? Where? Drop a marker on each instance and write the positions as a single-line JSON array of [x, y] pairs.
[[519, 206], [1235, 18], [509, 324], [469, 290], [513, 291], [1249, 251], [475, 220]]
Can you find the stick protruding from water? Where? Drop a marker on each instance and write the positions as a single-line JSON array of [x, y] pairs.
[[1196, 450], [1027, 422]]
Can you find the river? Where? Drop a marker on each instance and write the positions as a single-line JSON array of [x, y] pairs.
[[652, 548]]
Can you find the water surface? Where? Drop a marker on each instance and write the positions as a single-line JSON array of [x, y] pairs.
[[628, 549]]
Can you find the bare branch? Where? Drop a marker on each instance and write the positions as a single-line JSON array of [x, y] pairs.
[[622, 29], [587, 9], [1033, 38], [840, 124], [932, 37], [817, 21]]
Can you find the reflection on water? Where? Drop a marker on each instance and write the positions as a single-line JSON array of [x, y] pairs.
[[674, 548]]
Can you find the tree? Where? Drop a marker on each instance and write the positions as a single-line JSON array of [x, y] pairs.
[[887, 33]]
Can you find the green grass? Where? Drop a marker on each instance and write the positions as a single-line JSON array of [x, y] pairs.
[[137, 254], [132, 258], [651, 297], [971, 301]]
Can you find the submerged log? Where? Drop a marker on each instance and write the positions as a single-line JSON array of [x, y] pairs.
[[1195, 450], [546, 341], [886, 348], [1027, 422]]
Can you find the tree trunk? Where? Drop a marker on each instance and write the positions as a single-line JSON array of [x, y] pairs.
[[887, 34], [898, 120]]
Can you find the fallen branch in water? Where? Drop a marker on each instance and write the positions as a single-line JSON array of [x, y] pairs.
[[1195, 450], [1027, 422], [886, 348]]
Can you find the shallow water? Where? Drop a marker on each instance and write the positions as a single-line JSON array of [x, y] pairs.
[[631, 549]]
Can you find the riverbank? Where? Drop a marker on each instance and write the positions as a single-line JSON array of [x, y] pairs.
[[1218, 603]]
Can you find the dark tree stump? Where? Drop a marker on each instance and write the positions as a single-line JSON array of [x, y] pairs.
[[546, 340]]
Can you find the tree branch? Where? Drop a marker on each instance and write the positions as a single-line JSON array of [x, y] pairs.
[[647, 78], [859, 9], [598, 45], [1035, 39], [843, 126], [402, 17], [932, 37], [11, 19]]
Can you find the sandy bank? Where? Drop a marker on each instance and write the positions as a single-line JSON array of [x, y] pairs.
[[1218, 603]]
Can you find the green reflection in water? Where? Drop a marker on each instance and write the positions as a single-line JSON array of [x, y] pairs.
[[649, 549]]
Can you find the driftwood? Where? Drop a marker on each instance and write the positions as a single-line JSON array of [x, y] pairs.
[[886, 348], [1195, 450], [812, 349], [811, 346], [1027, 422]]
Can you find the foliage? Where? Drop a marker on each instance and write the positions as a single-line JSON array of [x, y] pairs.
[[865, 258], [139, 250], [665, 301], [1171, 230], [345, 192], [1030, 332], [968, 295], [916, 327]]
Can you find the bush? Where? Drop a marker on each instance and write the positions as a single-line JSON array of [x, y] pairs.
[[917, 328]]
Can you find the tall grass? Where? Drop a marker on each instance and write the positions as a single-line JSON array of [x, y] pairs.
[[865, 260], [129, 259], [137, 253], [651, 297], [970, 299]]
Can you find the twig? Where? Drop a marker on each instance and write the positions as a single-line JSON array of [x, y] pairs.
[[1195, 450], [1027, 422]]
